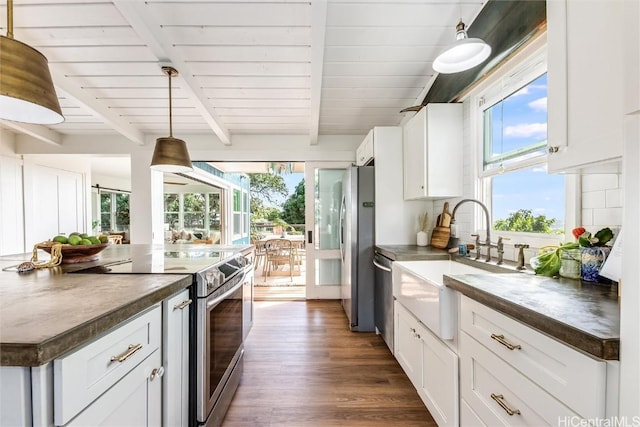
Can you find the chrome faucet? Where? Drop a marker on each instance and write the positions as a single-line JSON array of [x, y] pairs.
[[487, 226]]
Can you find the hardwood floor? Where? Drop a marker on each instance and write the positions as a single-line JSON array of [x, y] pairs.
[[303, 367]]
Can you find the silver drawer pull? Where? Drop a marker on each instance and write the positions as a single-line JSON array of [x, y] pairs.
[[182, 305], [499, 399], [130, 351], [504, 342], [156, 373]]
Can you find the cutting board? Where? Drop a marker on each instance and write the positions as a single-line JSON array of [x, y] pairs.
[[441, 233]]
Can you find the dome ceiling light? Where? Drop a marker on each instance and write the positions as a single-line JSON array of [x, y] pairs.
[[171, 154], [26, 89], [463, 54]]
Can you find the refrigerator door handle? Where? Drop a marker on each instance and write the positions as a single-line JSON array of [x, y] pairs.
[[343, 209], [381, 267]]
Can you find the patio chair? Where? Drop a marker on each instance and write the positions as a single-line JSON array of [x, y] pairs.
[[279, 252]]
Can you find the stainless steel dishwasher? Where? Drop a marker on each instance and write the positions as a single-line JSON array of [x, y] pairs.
[[383, 299]]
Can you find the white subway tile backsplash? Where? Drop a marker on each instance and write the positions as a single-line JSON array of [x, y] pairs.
[[587, 217], [595, 182], [613, 198], [593, 199], [607, 217]]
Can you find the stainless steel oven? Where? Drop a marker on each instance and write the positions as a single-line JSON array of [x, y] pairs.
[[219, 338]]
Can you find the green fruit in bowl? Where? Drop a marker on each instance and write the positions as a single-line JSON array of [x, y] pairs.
[[75, 233], [75, 240], [85, 242], [103, 238], [94, 240], [84, 235], [60, 239]]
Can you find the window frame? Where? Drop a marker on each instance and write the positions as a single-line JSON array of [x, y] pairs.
[[523, 68]]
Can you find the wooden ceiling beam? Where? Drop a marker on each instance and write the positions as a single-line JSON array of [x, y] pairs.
[[151, 33], [318, 27]]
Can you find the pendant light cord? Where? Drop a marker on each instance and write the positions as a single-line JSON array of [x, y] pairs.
[[170, 109], [10, 19]]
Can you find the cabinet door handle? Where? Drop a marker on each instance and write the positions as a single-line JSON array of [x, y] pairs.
[[130, 351], [553, 149], [504, 342], [182, 305], [500, 400], [157, 372]]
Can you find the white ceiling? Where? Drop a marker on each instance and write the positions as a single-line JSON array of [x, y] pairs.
[[246, 67]]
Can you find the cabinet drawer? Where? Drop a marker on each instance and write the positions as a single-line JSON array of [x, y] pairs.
[[572, 377], [486, 381], [84, 374]]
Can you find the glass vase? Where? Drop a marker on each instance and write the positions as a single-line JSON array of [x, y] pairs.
[[570, 261], [592, 259]]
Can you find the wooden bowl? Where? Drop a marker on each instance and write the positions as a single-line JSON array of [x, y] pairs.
[[76, 253]]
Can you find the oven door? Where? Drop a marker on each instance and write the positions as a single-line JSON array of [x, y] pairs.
[[219, 343]]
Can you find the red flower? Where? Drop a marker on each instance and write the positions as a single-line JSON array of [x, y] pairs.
[[578, 231]]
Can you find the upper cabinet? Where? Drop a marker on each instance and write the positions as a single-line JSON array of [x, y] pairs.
[[631, 32], [364, 152], [432, 147], [585, 86]]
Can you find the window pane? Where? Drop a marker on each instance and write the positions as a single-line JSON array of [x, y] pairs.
[[172, 219], [122, 212], [528, 200], [517, 125], [237, 202], [328, 201], [237, 223], [171, 203], [328, 272]]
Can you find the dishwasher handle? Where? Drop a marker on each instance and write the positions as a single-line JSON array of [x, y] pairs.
[[381, 267]]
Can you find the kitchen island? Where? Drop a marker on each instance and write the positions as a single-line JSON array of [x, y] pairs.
[[45, 312]]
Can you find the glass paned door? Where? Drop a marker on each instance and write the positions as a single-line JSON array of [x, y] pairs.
[[323, 198]]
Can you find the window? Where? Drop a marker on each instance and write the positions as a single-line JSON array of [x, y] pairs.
[[172, 210], [114, 211], [237, 212], [515, 186]]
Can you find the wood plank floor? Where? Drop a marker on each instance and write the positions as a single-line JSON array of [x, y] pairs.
[[303, 367]]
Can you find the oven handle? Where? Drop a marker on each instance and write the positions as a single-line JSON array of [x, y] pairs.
[[219, 298]]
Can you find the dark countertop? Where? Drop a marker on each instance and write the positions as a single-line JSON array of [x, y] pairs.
[[411, 252], [582, 314], [44, 313]]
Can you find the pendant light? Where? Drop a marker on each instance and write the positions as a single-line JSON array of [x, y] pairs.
[[171, 154], [26, 90], [463, 54]]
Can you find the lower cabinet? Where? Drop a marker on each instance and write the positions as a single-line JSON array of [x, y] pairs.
[[175, 359], [511, 374], [134, 401], [135, 374], [430, 364]]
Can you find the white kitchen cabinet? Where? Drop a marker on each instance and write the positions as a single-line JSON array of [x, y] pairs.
[[86, 373], [396, 218], [247, 303], [365, 152], [499, 395], [539, 376], [56, 203], [432, 148], [585, 88], [406, 347], [175, 359], [631, 32], [431, 366], [136, 400]]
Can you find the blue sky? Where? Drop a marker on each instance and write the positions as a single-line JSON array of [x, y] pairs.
[[524, 121]]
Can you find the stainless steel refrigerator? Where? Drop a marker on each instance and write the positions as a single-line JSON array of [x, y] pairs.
[[356, 246]]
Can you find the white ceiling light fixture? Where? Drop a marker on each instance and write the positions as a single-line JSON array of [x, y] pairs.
[[171, 154], [27, 94], [463, 54]]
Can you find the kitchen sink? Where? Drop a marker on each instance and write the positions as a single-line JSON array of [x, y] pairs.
[[418, 285]]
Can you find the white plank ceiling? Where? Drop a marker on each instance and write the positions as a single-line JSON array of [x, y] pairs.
[[246, 67]]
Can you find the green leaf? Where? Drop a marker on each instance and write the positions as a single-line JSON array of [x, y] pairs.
[[604, 236]]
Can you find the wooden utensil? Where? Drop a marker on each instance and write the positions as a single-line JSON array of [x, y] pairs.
[[446, 216], [441, 233]]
